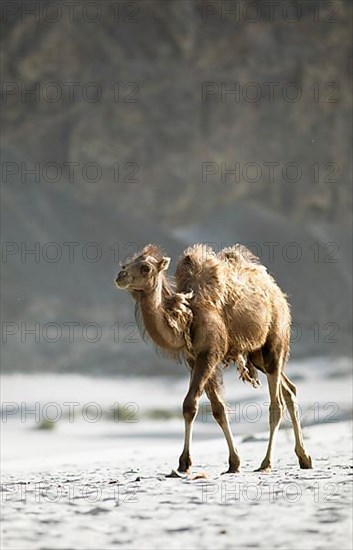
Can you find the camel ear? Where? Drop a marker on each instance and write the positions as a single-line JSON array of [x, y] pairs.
[[163, 264]]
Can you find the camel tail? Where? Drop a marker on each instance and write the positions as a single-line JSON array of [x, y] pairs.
[[250, 374]]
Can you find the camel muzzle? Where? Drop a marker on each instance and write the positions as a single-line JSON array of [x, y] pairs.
[[122, 281]]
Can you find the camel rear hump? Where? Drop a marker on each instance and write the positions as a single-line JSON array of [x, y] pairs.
[[238, 253]]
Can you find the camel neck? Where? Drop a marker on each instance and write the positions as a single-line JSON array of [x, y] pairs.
[[153, 315], [152, 299]]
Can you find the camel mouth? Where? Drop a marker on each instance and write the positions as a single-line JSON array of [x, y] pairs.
[[122, 282], [122, 285]]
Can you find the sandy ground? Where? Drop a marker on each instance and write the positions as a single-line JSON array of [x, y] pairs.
[[127, 501], [103, 485]]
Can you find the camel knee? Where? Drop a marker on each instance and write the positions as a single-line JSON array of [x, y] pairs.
[[288, 385], [189, 408], [293, 407]]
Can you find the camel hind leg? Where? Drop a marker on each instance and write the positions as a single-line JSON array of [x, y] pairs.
[[275, 416], [271, 361], [289, 394]]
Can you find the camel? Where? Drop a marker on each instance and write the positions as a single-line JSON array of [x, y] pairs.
[[220, 308]]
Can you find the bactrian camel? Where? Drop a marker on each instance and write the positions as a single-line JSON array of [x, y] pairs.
[[218, 309]]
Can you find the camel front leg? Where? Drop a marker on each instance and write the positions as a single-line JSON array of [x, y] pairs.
[[203, 368], [219, 410], [185, 457]]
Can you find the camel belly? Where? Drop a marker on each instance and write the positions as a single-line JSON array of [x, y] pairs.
[[248, 329]]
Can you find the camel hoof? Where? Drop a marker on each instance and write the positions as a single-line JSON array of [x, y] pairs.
[[231, 471], [264, 469], [305, 463], [177, 473], [234, 467], [184, 465]]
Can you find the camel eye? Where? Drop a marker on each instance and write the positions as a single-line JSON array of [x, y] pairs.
[[145, 268]]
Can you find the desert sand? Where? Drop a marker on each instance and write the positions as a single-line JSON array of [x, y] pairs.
[[104, 485]]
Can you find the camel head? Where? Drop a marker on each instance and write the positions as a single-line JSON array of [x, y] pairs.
[[143, 271]]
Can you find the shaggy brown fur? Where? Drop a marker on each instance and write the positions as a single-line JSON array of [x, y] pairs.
[[220, 308]]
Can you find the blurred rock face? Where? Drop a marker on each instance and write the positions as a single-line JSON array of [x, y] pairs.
[[166, 115]]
